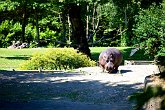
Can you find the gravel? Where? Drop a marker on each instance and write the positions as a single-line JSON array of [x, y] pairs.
[[86, 88]]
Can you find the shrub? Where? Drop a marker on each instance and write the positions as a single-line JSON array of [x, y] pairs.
[[59, 58], [9, 31], [149, 29]]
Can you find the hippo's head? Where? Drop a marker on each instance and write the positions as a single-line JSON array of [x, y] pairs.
[[109, 62], [110, 59]]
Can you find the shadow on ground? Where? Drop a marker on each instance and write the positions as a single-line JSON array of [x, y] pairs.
[[17, 57], [59, 91]]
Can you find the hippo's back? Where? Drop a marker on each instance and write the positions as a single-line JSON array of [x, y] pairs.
[[118, 57]]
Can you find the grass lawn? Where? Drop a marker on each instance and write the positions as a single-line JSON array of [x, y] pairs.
[[11, 58], [139, 55]]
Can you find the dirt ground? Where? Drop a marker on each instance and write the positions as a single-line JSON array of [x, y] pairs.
[[85, 88]]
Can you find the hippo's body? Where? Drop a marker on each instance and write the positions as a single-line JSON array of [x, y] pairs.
[[110, 59]]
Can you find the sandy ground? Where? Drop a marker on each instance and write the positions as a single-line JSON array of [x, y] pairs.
[[86, 89]]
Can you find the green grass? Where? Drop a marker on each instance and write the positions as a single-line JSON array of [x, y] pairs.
[[12, 58], [139, 55]]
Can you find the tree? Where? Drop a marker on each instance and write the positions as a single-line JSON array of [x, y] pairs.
[[79, 40], [149, 29], [24, 19]]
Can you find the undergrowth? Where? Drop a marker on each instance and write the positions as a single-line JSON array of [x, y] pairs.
[[57, 59]]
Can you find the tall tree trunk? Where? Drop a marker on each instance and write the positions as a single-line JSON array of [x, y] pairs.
[[78, 38], [69, 31], [64, 18], [125, 17], [93, 22], [93, 16], [87, 22], [126, 35], [24, 21], [37, 27]]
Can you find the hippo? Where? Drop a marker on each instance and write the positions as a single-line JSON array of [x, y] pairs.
[[110, 59]]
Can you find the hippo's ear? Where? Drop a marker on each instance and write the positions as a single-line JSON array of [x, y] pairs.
[[111, 55], [104, 56]]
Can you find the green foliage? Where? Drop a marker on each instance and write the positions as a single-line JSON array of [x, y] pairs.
[[12, 13], [8, 5], [108, 15], [9, 31], [124, 40], [30, 32], [149, 30], [59, 58]]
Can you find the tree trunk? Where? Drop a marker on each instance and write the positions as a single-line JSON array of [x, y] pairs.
[[69, 29], [37, 31], [93, 16], [63, 37], [37, 27], [87, 27], [24, 22], [78, 37], [93, 22]]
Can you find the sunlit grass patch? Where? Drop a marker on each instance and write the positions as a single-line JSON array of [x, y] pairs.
[[12, 58]]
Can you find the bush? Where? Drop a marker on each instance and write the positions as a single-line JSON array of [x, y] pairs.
[[9, 31], [149, 29], [59, 58]]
